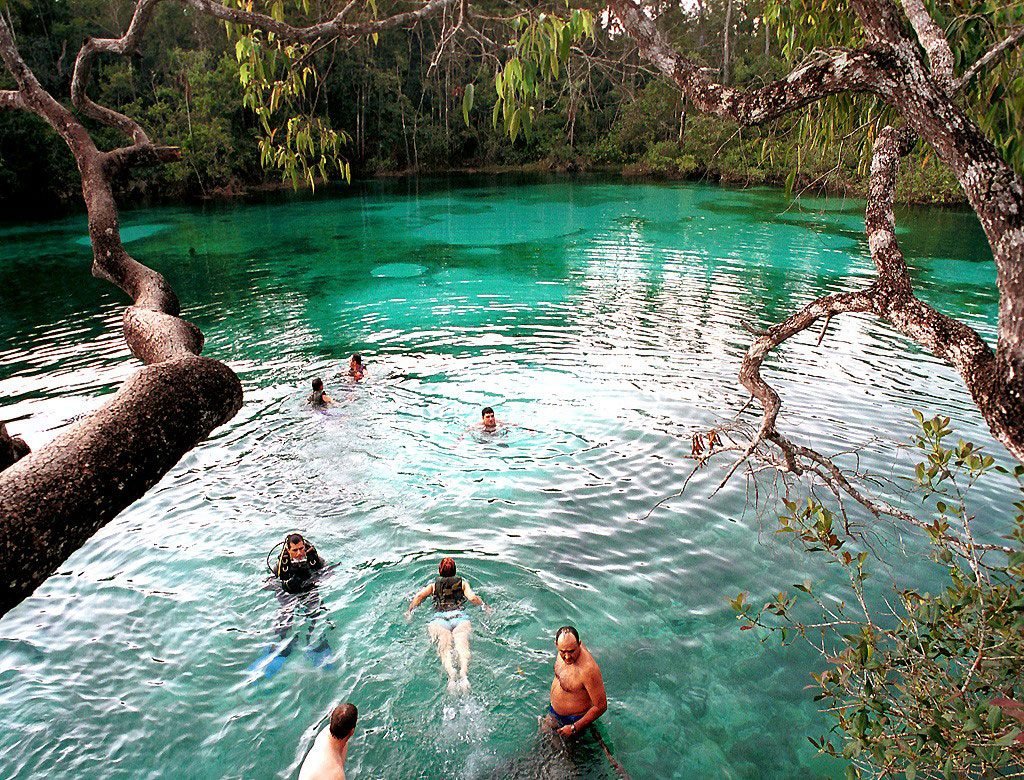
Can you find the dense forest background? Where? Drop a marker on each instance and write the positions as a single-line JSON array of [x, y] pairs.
[[402, 106]]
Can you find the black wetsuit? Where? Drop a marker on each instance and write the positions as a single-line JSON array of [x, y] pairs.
[[298, 576], [298, 592]]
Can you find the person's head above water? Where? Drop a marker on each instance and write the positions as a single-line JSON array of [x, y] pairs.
[[296, 546], [567, 642], [318, 384], [356, 369], [487, 416], [343, 720], [447, 567]]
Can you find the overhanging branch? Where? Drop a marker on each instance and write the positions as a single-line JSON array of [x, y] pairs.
[[933, 39], [992, 56], [825, 73]]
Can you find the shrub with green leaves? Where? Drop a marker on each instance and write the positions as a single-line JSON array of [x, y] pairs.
[[934, 686]]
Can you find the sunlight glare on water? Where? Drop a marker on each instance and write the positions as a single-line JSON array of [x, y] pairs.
[[605, 322]]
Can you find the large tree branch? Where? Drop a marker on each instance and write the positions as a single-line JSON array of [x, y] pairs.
[[933, 39], [83, 68], [892, 68], [945, 337], [825, 73], [54, 499], [891, 298]]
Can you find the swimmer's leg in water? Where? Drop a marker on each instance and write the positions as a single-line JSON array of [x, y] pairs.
[[443, 637], [461, 634]]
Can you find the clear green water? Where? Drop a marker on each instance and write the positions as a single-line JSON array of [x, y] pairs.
[[605, 318]]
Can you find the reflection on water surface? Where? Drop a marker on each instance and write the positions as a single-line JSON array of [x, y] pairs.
[[606, 321]]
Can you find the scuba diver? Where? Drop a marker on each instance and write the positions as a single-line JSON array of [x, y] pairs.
[[298, 564], [298, 568]]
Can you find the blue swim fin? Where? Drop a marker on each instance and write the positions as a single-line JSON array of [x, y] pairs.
[[274, 666], [321, 654], [270, 661]]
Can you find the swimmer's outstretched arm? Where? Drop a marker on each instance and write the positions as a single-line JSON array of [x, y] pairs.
[[418, 599], [475, 599]]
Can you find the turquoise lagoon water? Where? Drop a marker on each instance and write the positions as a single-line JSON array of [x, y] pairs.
[[607, 320]]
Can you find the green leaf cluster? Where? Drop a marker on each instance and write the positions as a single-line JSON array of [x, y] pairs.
[[936, 687], [276, 77], [542, 45]]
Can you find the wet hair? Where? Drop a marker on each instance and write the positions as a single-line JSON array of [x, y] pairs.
[[447, 567], [318, 384], [294, 539], [567, 630], [343, 720], [358, 358], [486, 411]]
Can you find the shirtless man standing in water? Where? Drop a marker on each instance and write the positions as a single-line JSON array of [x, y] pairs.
[[326, 760], [577, 692]]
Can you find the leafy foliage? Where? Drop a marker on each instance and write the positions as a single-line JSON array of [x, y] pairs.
[[542, 47], [934, 689], [276, 77]]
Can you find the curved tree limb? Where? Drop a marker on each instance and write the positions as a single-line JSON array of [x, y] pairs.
[[83, 68], [54, 499], [891, 67], [891, 298], [826, 73], [933, 39]]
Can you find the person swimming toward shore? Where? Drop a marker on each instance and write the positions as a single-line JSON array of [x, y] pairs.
[[319, 399], [450, 628]]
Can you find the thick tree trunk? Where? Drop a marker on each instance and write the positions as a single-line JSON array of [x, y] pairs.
[[54, 499]]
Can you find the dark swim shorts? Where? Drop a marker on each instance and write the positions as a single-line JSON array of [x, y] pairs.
[[563, 720]]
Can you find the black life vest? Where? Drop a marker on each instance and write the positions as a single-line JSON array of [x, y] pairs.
[[448, 594], [316, 398], [297, 577]]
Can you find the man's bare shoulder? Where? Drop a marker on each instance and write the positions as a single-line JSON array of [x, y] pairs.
[[321, 763], [590, 667]]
